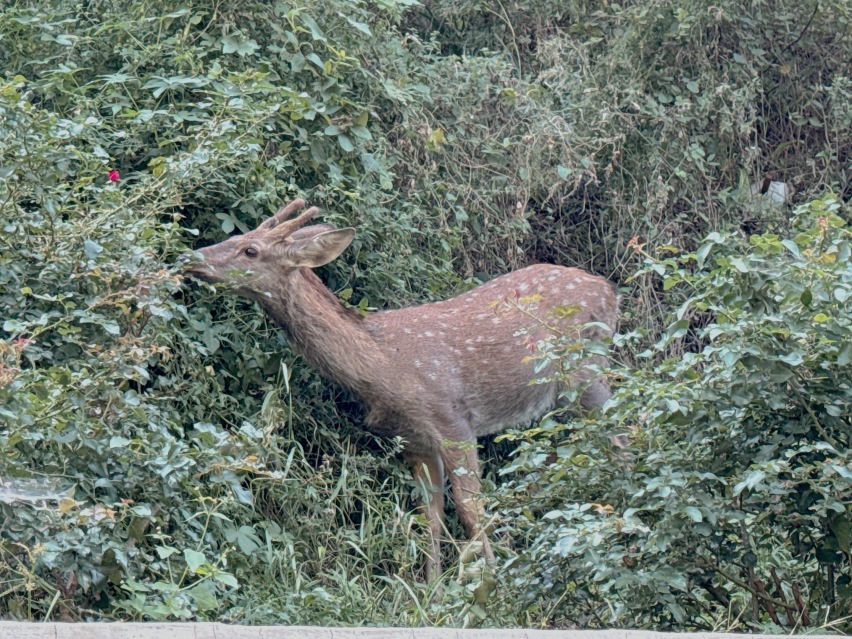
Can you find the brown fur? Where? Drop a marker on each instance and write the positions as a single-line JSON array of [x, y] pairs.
[[439, 374]]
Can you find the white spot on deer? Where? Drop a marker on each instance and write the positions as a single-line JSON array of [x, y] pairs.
[[418, 363], [480, 338], [471, 349], [523, 286], [495, 320], [428, 334], [468, 341], [570, 287], [406, 330], [432, 376], [482, 316], [552, 278]]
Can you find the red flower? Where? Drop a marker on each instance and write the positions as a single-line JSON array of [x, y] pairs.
[[114, 176]]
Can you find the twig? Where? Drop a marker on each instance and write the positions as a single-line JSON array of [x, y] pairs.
[[767, 604], [761, 595]]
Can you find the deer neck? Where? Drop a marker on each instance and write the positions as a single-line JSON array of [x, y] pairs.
[[329, 336]]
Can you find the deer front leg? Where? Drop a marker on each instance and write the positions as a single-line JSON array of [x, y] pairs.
[[428, 475], [462, 468]]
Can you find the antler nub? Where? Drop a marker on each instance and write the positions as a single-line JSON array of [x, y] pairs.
[[282, 214], [286, 228]]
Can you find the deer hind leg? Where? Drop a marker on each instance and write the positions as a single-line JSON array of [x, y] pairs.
[[463, 470], [428, 472]]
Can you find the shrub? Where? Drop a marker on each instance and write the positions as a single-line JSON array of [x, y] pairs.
[[719, 497]]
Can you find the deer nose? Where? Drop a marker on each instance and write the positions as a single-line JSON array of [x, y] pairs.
[[193, 264]]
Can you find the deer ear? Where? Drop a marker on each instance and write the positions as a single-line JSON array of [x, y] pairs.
[[319, 249]]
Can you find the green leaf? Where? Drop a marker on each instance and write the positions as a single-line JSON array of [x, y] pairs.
[[314, 59], [316, 32], [247, 540], [165, 551], [297, 62], [792, 247], [242, 47], [227, 579], [702, 253], [752, 479], [361, 26], [693, 513], [793, 359], [118, 442], [203, 597], [14, 326], [842, 529], [361, 132], [194, 559], [740, 264], [92, 249]]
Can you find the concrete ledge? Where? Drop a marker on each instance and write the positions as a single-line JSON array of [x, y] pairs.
[[27, 630]]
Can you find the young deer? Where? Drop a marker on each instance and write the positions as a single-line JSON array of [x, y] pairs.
[[439, 375]]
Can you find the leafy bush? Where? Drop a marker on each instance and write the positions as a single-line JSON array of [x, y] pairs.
[[719, 497]]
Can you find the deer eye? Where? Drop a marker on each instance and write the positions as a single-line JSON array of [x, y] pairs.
[[250, 252]]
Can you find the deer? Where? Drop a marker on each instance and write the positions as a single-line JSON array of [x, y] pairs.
[[437, 375]]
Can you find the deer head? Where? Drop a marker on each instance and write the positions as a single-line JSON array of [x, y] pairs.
[[253, 263]]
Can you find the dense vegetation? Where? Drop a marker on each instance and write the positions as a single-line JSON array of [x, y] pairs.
[[166, 456]]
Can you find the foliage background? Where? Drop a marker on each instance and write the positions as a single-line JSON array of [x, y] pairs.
[[166, 456]]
